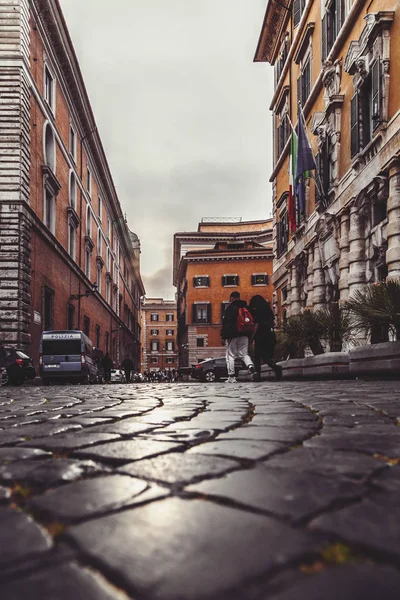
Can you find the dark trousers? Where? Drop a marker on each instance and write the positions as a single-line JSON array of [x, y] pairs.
[[107, 375], [127, 375], [264, 346]]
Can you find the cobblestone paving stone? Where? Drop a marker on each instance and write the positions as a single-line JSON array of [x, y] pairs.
[[257, 491]]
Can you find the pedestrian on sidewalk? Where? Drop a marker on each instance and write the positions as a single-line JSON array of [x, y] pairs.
[[107, 364], [236, 341], [127, 366], [263, 335]]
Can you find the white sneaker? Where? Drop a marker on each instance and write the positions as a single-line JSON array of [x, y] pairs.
[[251, 369], [231, 380]]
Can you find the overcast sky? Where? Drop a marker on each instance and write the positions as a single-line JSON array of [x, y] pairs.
[[182, 111]]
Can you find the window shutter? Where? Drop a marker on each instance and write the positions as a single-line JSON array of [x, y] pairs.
[[355, 126], [299, 98], [208, 281], [208, 313], [305, 83], [237, 279], [376, 93], [324, 38], [194, 314], [194, 281], [253, 280], [297, 12], [223, 280]]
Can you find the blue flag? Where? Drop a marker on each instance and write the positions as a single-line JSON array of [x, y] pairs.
[[305, 161]]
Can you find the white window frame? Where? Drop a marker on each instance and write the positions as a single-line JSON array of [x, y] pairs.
[[154, 332], [108, 291], [72, 189], [88, 221], [168, 332], [230, 284], [50, 162], [260, 284], [88, 257], [51, 225], [71, 240], [88, 181], [100, 208], [154, 320], [170, 346], [99, 242], [154, 345], [169, 315], [72, 142], [98, 278], [51, 102]]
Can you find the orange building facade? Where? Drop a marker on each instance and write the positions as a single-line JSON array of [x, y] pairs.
[[159, 334], [67, 257], [336, 58], [208, 266]]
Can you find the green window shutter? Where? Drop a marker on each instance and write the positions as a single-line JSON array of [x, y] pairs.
[[297, 10], [194, 314], [209, 313], [376, 109]]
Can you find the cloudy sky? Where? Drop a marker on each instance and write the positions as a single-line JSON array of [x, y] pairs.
[[182, 111]]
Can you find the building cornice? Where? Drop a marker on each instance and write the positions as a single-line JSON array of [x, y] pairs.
[[275, 18]]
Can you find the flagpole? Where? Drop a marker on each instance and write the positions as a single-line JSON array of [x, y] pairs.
[[317, 178]]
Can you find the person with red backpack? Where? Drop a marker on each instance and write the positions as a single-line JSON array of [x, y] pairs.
[[237, 327]]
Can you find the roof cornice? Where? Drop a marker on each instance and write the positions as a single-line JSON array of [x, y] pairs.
[[276, 16]]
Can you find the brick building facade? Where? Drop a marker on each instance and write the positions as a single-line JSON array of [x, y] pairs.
[[335, 58], [220, 257], [67, 257], [159, 333]]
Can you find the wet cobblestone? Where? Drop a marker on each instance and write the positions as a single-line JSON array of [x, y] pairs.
[[284, 490]]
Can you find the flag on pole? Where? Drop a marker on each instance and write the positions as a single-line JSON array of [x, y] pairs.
[[305, 161], [292, 177]]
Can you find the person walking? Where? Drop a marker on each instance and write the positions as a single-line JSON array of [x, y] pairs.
[[107, 364], [263, 335], [236, 337], [127, 365], [3, 363]]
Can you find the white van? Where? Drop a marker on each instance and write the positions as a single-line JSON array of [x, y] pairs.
[[66, 355]]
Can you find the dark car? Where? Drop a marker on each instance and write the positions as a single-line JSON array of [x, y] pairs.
[[210, 370], [20, 366]]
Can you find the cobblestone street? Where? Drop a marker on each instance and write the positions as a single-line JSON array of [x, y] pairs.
[[250, 491]]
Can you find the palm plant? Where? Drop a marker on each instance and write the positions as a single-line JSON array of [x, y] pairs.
[[376, 310], [337, 325], [303, 330]]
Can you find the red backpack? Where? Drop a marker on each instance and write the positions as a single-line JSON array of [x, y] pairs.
[[244, 321]]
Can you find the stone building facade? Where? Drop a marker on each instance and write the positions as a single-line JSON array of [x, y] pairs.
[[67, 257], [209, 264], [337, 58], [159, 334]]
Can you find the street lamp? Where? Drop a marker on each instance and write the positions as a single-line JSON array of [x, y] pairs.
[[85, 294]]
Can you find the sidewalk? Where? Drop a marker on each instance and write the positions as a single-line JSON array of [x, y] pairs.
[[288, 491]]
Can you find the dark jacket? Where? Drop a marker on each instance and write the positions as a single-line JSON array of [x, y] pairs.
[[127, 364], [229, 329]]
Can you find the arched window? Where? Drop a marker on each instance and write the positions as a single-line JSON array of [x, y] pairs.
[[72, 190], [88, 222], [49, 147]]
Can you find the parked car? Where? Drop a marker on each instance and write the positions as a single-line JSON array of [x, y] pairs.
[[20, 367], [212, 369], [117, 376]]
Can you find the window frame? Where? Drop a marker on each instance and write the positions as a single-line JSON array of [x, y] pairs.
[[261, 284], [72, 142], [205, 316], [234, 275], [169, 320], [156, 317], [205, 284], [49, 92]]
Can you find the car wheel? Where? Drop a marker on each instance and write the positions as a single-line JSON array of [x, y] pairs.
[[85, 379], [3, 377], [209, 376]]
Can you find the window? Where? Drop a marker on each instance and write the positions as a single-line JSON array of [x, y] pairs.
[[170, 317], [282, 58], [72, 142], [100, 208], [49, 94], [154, 317], [230, 280], [201, 281], [282, 227], [332, 23], [259, 279], [154, 346], [200, 342], [98, 331], [98, 278], [170, 346], [71, 240], [49, 147], [70, 316], [72, 190], [298, 8], [99, 242], [86, 326], [109, 229], [170, 332], [48, 309], [379, 212], [88, 181], [284, 294], [87, 262], [154, 332], [107, 341], [115, 300], [154, 360], [201, 313], [366, 109], [49, 210], [108, 290], [170, 360], [88, 222], [283, 132], [108, 261], [304, 81]]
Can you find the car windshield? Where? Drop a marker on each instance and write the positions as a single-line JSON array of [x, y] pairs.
[[22, 355], [61, 347]]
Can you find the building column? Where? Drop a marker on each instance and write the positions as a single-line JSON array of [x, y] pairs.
[[294, 291], [344, 255], [393, 226], [319, 291], [310, 275], [356, 278]]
